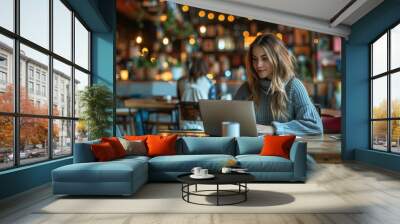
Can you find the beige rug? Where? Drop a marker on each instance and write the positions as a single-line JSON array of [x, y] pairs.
[[166, 198]]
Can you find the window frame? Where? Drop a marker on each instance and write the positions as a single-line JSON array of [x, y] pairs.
[[388, 74], [16, 114]]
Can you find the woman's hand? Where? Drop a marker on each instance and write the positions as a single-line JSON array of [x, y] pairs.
[[265, 129]]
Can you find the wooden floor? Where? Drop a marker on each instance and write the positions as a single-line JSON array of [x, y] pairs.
[[378, 188]]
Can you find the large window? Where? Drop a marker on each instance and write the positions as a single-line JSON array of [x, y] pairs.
[[385, 94], [44, 64]]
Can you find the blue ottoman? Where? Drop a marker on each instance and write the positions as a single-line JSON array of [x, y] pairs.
[[118, 177]]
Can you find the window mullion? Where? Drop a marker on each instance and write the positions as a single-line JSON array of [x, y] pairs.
[[16, 69], [73, 81], [50, 81], [389, 106]]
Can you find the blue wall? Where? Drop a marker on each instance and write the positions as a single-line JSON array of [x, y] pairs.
[[356, 84], [99, 15]]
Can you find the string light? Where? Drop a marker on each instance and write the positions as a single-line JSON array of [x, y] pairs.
[[202, 13], [185, 8], [165, 65], [192, 41], [210, 16], [165, 41], [279, 36], [163, 18], [221, 17], [231, 18], [139, 39], [203, 29], [124, 74], [145, 50]]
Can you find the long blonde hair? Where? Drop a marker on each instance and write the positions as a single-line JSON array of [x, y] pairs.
[[283, 70]]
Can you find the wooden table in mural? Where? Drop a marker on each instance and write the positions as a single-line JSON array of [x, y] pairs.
[[155, 106], [324, 148]]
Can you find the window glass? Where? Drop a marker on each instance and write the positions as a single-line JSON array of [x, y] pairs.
[[379, 56], [7, 14], [379, 135], [34, 21], [395, 47], [6, 74], [33, 140], [379, 98], [81, 45], [81, 131], [395, 95], [62, 138], [395, 136], [62, 29], [81, 81], [39, 61], [62, 91], [6, 142]]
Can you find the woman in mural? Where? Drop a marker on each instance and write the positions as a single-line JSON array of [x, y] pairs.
[[282, 104]]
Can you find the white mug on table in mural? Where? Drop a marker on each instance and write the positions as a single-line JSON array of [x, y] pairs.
[[196, 171], [226, 170], [203, 172]]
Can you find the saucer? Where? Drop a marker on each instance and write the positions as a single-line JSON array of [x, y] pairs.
[[208, 176]]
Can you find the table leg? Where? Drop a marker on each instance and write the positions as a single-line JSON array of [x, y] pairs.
[[245, 193], [217, 194]]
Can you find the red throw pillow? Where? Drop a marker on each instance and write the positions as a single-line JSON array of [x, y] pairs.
[[103, 151], [136, 137], [161, 145], [116, 145], [277, 146]]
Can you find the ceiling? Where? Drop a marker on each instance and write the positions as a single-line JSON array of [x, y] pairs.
[[333, 17]]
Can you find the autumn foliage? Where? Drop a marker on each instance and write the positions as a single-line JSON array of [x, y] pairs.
[[33, 131], [380, 127]]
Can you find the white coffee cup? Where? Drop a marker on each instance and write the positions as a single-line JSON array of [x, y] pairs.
[[203, 172], [226, 170], [196, 170], [230, 129]]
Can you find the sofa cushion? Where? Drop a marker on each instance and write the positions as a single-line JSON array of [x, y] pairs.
[[206, 145], [161, 145], [103, 151], [277, 146], [185, 163], [116, 145], [257, 163], [112, 171], [249, 145], [134, 147], [136, 137]]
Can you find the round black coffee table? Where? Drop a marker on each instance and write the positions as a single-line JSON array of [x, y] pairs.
[[238, 179]]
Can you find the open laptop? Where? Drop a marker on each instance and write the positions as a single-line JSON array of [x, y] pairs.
[[214, 112]]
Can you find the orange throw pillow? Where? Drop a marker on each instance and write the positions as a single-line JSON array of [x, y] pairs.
[[277, 146], [161, 145], [116, 145], [136, 137], [103, 151]]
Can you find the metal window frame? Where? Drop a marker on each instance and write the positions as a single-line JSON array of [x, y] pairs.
[[388, 74], [16, 113]]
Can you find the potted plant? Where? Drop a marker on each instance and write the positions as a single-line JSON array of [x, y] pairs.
[[96, 102], [151, 69], [139, 67]]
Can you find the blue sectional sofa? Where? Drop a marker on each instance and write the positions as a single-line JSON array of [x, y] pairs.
[[125, 176]]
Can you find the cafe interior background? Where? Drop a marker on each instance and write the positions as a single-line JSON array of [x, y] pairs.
[[157, 39]]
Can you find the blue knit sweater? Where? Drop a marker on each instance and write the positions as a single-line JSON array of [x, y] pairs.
[[303, 118]]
